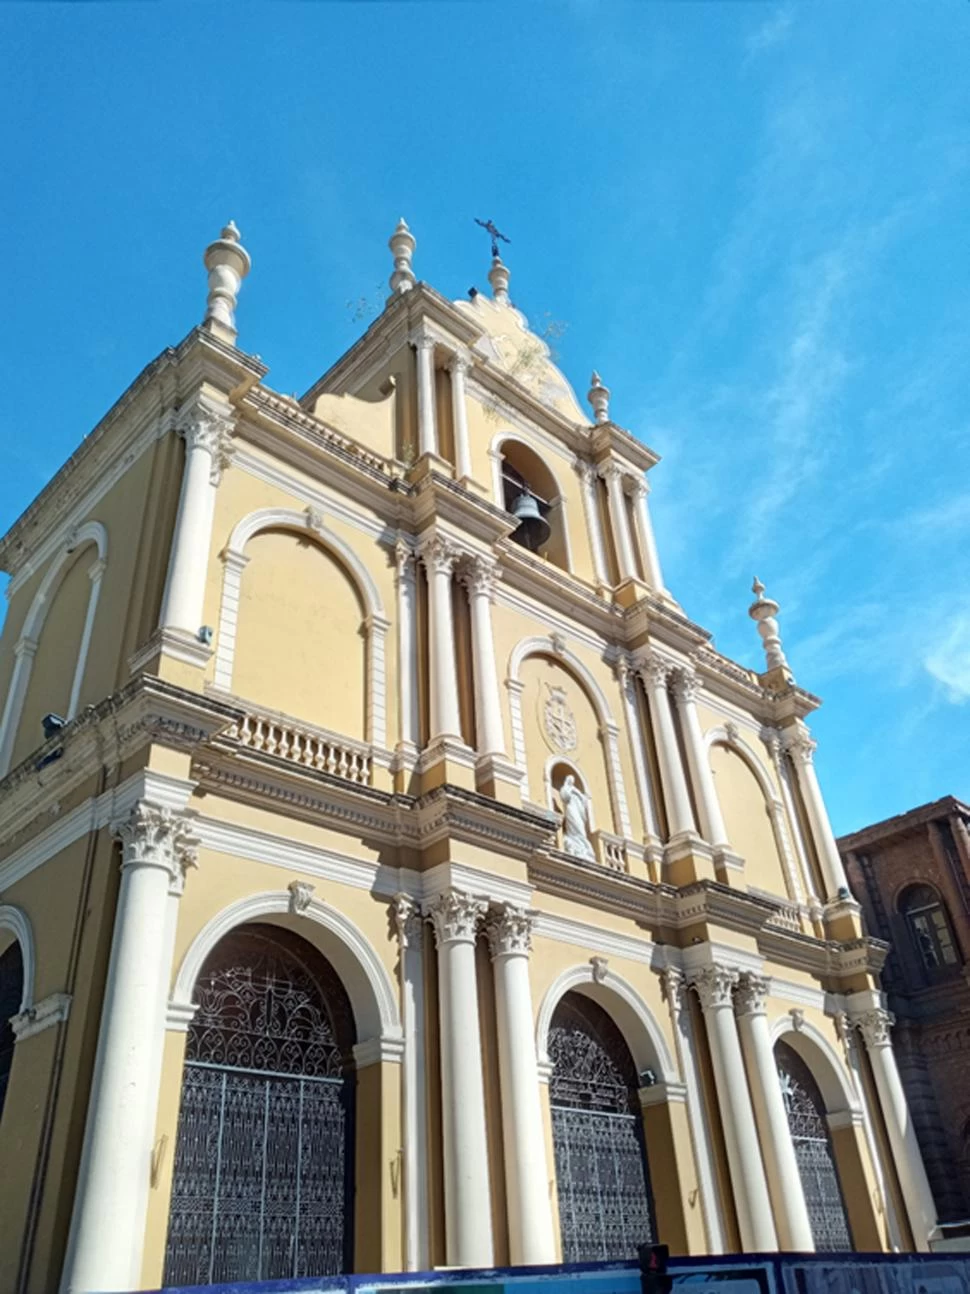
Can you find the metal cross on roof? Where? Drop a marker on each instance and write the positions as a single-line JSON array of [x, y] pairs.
[[489, 227]]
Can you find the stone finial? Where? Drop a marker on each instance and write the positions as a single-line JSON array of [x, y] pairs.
[[499, 277], [228, 263], [599, 398], [402, 244], [763, 611]]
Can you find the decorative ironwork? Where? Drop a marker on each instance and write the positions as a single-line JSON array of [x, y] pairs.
[[263, 1168], [813, 1151], [605, 1207], [11, 992]]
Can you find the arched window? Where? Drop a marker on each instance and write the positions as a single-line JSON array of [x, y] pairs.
[[11, 995], [605, 1205], [929, 929], [525, 476], [263, 1183], [808, 1123]]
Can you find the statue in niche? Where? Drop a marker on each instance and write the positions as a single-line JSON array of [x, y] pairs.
[[575, 804]]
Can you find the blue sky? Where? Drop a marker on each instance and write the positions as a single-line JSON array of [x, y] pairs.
[[752, 218]]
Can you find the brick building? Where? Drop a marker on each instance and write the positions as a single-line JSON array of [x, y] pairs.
[[911, 874]]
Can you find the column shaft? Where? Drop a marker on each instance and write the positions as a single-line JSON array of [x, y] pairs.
[[410, 937], [439, 561], [591, 504], [648, 545], [111, 1196], [184, 595], [830, 861], [427, 422], [407, 648], [753, 1204], [613, 475], [459, 415], [531, 1239], [705, 792], [680, 817], [633, 725], [488, 711], [468, 1216], [777, 1147], [23, 660]]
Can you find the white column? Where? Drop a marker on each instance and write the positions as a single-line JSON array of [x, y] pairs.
[[712, 823], [410, 937], [675, 991], [613, 475], [407, 646], [587, 476], [874, 1025], [23, 661], [714, 986], [801, 748], [680, 817], [804, 884], [531, 1239], [468, 1209], [645, 537], [644, 789], [458, 367], [479, 577], [95, 573], [439, 557], [207, 432], [110, 1200], [427, 421], [777, 1147]]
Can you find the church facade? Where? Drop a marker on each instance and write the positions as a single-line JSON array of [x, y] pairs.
[[392, 875]]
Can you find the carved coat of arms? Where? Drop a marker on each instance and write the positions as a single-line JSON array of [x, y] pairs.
[[558, 721]]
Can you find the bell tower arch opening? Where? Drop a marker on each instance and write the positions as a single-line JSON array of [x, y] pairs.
[[531, 494]]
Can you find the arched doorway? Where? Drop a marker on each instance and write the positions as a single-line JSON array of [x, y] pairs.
[[805, 1107], [11, 996], [603, 1181], [263, 1179]]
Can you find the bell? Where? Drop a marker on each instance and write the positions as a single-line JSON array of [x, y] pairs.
[[533, 529]]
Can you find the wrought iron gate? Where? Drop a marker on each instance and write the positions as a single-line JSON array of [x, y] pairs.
[[601, 1165], [262, 1169], [813, 1151]]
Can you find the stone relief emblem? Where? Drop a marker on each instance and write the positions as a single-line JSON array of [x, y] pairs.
[[558, 721]]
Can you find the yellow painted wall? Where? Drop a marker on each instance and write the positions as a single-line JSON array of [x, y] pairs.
[[746, 820], [299, 642]]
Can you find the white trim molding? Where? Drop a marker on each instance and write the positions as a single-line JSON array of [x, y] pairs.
[[92, 532], [311, 523], [17, 921], [629, 1011], [363, 974], [51, 1010], [823, 1060]]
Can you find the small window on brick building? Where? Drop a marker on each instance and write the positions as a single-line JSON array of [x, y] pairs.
[[929, 929]]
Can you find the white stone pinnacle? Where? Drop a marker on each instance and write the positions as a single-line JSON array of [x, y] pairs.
[[228, 263], [402, 244], [599, 398], [499, 277], [763, 612]]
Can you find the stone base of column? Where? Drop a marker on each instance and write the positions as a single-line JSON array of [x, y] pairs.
[[729, 867], [447, 759], [404, 768], [424, 466], [497, 777], [166, 646], [843, 920], [688, 859], [629, 592]]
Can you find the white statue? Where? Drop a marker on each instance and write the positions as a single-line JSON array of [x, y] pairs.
[[575, 803]]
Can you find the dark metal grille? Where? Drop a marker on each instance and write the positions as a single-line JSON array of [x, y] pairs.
[[262, 1183], [813, 1151], [601, 1166], [11, 993]]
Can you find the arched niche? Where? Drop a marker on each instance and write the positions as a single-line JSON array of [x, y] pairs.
[[558, 709], [518, 467], [50, 656], [302, 628]]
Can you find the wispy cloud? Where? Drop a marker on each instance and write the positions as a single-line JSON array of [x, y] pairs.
[[774, 31], [949, 659]]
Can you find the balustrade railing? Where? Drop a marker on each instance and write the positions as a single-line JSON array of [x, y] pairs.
[[303, 744]]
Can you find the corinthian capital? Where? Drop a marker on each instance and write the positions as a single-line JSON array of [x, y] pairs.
[[439, 555], [714, 985], [751, 997], [874, 1026], [407, 920], [685, 684], [799, 745], [456, 916], [673, 985], [654, 670], [208, 428], [156, 837], [611, 472], [478, 574], [509, 930]]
